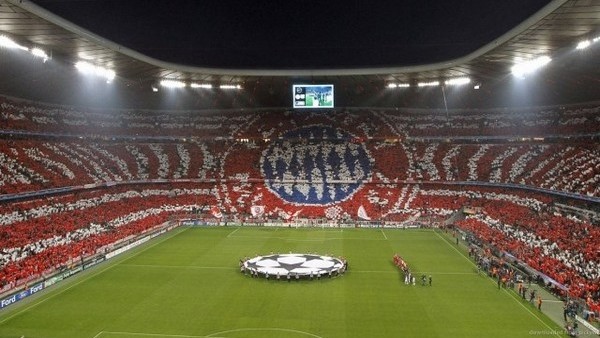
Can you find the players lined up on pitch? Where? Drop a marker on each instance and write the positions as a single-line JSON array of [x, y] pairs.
[[409, 277]]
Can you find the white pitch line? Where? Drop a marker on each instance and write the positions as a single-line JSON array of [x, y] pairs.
[[416, 272], [446, 273], [506, 291], [124, 333], [233, 232], [179, 266], [233, 268], [265, 329], [384, 235], [374, 271], [306, 239], [317, 239]]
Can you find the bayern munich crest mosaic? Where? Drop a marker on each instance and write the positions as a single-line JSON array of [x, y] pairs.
[[320, 163], [310, 165]]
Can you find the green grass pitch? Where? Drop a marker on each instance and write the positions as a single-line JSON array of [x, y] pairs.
[[310, 103], [187, 284]]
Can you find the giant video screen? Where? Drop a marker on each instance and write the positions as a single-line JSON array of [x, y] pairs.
[[313, 96]]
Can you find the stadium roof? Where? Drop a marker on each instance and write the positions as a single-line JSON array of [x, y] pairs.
[[308, 34], [554, 30]]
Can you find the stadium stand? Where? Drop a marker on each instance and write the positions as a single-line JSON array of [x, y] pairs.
[[121, 172]]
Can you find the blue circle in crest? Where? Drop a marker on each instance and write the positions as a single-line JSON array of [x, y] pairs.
[[315, 165]]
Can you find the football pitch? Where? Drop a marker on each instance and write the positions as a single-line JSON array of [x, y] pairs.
[[310, 102], [187, 283]]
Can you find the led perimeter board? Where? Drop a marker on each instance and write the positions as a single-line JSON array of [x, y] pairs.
[[313, 96]]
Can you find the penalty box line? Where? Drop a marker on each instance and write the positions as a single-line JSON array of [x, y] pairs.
[[212, 335], [307, 239], [144, 334]]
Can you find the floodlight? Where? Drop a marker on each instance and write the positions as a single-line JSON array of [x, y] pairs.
[[88, 68], [7, 42], [201, 85], [84, 67], [398, 85], [230, 86], [106, 73], [527, 67], [39, 53], [84, 56], [457, 81], [428, 84], [172, 84], [583, 44]]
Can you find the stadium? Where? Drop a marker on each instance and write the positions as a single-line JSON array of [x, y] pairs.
[[315, 171]]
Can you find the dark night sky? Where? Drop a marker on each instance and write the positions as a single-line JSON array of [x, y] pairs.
[[298, 34]]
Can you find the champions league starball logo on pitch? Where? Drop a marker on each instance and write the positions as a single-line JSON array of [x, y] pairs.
[[294, 264], [303, 168]]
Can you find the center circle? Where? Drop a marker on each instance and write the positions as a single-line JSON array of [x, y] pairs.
[[315, 165], [294, 265]]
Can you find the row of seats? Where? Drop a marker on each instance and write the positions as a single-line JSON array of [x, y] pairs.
[[27, 165], [499, 122], [381, 123], [37, 117]]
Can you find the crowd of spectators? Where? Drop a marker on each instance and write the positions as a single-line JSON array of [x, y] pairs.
[[34, 164], [37, 117], [563, 247], [498, 122], [27, 165], [42, 234], [372, 123]]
